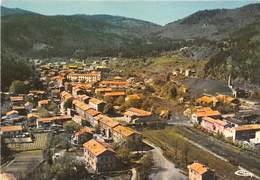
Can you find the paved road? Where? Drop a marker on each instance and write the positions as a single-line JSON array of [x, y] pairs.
[[225, 150], [164, 169]]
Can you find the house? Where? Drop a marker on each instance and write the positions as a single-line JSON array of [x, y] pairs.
[[12, 114], [99, 156], [21, 110], [114, 84], [83, 134], [66, 101], [256, 140], [32, 120], [90, 114], [213, 125], [12, 117], [43, 103], [97, 104], [106, 125], [245, 132], [122, 134], [55, 120], [79, 119], [88, 77], [198, 171], [134, 115], [187, 72], [198, 114], [176, 72], [241, 93], [115, 94], [80, 107], [38, 94], [65, 96], [81, 89], [84, 98], [102, 90], [17, 100], [11, 131]]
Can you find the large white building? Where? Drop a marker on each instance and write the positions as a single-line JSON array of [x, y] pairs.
[[88, 77]]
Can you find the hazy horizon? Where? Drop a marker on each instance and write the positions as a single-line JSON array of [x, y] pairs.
[[159, 12]]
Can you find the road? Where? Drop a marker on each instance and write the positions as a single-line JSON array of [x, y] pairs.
[[163, 169], [225, 150]]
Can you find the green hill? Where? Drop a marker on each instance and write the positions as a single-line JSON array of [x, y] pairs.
[[77, 35], [239, 57]]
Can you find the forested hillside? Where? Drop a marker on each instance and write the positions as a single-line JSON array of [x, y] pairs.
[[31, 34], [228, 37], [213, 25], [240, 57], [13, 67]]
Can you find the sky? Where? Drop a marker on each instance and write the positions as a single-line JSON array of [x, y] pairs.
[[157, 11]]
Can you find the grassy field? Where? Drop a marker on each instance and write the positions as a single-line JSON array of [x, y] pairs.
[[39, 144], [169, 62], [170, 140], [156, 65]]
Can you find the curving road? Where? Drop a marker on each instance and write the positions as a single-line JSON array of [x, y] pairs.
[[163, 169]]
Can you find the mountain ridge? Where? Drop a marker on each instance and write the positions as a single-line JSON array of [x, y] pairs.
[[29, 34], [216, 24]]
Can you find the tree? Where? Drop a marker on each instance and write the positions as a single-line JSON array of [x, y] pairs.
[[169, 91], [5, 151], [53, 107], [13, 68], [119, 100], [108, 99], [68, 168], [18, 87], [85, 138], [63, 168], [124, 154], [145, 165], [108, 109], [43, 112], [132, 103], [71, 126]]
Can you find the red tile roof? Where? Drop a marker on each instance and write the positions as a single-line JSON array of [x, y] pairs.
[[137, 112], [97, 148], [115, 94], [199, 168], [11, 128], [96, 101], [248, 127]]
